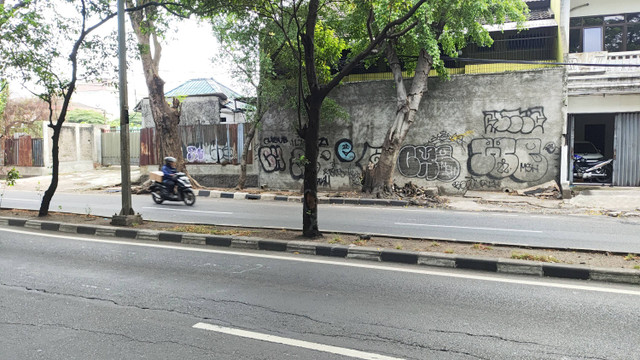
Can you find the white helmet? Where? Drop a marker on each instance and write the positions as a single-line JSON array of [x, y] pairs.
[[169, 159]]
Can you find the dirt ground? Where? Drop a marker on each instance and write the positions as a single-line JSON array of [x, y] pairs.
[[596, 259]]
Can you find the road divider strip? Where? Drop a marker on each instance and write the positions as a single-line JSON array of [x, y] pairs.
[[506, 266], [321, 199]]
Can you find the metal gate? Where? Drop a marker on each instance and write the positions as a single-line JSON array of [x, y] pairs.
[[626, 163], [111, 147]]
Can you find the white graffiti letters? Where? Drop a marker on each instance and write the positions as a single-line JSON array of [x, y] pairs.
[[503, 157], [429, 162], [271, 158], [514, 121]]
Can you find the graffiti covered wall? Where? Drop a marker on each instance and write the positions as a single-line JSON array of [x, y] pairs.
[[480, 132]]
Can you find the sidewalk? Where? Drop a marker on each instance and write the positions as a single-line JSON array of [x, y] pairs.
[[587, 200]]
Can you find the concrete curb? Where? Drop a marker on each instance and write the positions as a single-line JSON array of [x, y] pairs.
[[321, 199], [505, 266]]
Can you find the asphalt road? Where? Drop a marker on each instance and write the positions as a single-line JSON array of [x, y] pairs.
[[577, 232], [67, 297]]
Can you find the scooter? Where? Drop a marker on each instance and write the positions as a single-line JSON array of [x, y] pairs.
[[599, 171], [160, 193]]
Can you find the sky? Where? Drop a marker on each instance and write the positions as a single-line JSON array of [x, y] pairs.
[[186, 54]]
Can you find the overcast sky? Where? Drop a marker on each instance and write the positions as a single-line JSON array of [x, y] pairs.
[[186, 54]]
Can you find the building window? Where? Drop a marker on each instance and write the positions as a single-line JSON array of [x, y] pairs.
[[612, 33]]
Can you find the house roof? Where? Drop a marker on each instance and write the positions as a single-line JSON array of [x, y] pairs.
[[202, 87]]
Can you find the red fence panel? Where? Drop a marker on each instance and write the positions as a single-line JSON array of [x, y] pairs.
[[25, 157], [148, 148], [11, 151]]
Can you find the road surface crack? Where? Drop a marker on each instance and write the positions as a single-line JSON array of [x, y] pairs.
[[94, 298], [279, 312], [107, 333], [380, 338]]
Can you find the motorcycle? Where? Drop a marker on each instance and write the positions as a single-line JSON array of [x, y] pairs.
[[599, 170], [160, 193]]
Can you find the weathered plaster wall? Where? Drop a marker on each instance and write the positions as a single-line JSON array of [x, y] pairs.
[[485, 132], [78, 147], [195, 110]]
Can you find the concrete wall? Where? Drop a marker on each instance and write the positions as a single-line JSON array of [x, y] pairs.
[[195, 110], [79, 147], [484, 132], [609, 7]]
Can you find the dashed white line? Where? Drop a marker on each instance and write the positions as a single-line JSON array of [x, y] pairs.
[[469, 227], [357, 354], [196, 211]]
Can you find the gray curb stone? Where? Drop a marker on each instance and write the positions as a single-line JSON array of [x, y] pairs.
[[439, 260], [68, 228], [105, 231], [519, 267], [364, 253], [244, 243], [147, 235], [619, 276], [301, 247], [194, 239], [33, 224], [509, 266]]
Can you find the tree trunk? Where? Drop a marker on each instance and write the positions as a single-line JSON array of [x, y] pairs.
[[165, 117], [48, 194], [310, 199], [242, 179], [379, 178]]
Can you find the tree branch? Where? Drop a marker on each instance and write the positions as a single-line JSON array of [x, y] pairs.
[[402, 32], [381, 36]]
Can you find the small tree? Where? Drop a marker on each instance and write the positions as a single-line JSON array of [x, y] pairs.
[[249, 45], [10, 180]]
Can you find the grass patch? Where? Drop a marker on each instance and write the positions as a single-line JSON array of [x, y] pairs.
[[542, 258], [637, 267], [398, 246], [482, 247], [631, 257], [336, 240], [209, 230], [435, 244], [360, 242], [448, 251]]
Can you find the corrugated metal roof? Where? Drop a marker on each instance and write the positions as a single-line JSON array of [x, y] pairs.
[[201, 87]]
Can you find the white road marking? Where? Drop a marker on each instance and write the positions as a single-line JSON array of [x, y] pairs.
[[293, 342], [197, 211], [296, 258], [504, 215], [469, 227], [17, 199]]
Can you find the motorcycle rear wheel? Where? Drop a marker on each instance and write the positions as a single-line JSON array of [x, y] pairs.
[[189, 197], [157, 197], [604, 179]]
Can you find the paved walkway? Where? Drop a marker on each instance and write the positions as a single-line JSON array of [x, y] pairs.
[[614, 201]]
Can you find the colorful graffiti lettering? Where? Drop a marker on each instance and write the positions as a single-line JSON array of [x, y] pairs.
[[344, 150]]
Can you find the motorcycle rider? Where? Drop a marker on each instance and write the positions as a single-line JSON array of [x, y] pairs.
[[169, 175]]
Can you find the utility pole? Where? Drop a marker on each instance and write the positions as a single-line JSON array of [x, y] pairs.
[[127, 216]]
